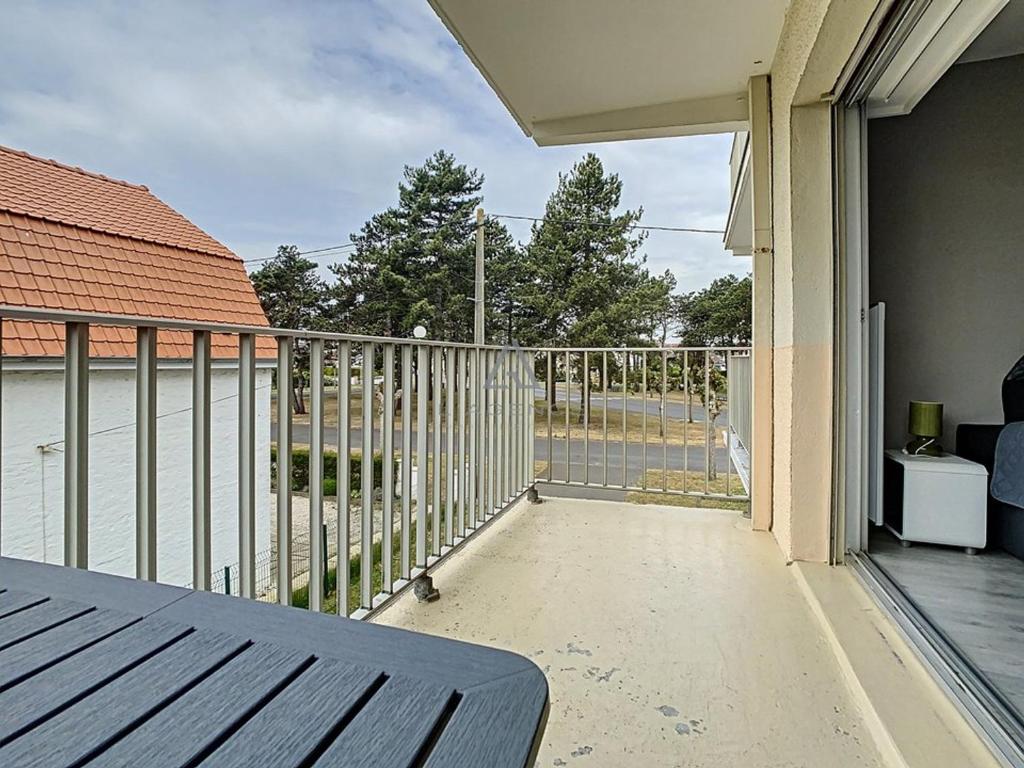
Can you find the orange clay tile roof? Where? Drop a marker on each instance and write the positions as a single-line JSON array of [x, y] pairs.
[[74, 240]]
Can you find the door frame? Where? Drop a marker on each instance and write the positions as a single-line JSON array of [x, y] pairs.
[[983, 706]]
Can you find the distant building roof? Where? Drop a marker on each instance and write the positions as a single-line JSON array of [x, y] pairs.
[[75, 240]]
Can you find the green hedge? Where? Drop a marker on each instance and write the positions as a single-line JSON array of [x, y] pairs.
[[300, 470]]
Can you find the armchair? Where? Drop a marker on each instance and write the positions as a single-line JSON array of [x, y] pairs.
[[977, 442]]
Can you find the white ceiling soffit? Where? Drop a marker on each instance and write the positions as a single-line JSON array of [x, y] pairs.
[[575, 71], [943, 32]]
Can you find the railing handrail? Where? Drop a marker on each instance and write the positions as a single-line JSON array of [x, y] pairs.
[[35, 314]]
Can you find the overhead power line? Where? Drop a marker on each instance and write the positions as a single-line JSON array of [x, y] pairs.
[[335, 250], [609, 224], [332, 250]]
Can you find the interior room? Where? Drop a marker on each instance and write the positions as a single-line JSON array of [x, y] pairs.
[[945, 215]]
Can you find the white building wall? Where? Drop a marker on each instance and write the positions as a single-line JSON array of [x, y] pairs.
[[33, 467]]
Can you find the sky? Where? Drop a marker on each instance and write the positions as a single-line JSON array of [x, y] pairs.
[[273, 122]]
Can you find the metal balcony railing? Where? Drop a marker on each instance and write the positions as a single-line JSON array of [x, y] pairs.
[[453, 427], [668, 412]]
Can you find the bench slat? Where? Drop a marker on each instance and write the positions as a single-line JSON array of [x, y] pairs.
[[87, 726], [64, 640], [289, 728]]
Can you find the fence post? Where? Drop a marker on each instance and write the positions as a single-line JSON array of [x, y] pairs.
[[323, 558]]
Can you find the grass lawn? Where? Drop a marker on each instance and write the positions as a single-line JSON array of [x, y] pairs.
[[694, 481], [678, 433]]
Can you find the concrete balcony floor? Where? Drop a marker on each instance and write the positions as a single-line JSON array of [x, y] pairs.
[[669, 637]]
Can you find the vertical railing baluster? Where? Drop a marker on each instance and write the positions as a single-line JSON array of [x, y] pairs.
[[520, 393], [201, 460], [343, 574], [728, 426], [473, 470], [604, 418], [531, 429], [643, 420], [525, 406], [514, 412], [366, 526], [707, 421], [664, 420], [586, 417], [387, 462], [568, 401], [316, 473], [422, 397], [407, 489], [76, 445], [550, 394], [497, 450], [505, 432], [1, 430], [479, 407], [449, 446], [247, 465], [494, 404], [460, 433], [486, 436], [437, 457], [284, 470], [625, 407], [687, 412], [145, 453]]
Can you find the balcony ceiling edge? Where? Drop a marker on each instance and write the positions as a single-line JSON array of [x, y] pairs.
[[601, 70], [691, 117], [739, 231]]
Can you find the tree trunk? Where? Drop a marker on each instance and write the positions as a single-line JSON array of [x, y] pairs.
[[299, 397], [712, 467], [711, 414]]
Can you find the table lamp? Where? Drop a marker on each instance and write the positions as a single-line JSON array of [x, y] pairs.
[[925, 426]]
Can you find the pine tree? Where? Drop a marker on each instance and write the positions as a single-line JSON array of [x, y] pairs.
[[414, 262], [719, 315], [292, 296], [590, 286]]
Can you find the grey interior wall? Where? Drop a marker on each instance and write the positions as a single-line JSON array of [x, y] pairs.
[[946, 207]]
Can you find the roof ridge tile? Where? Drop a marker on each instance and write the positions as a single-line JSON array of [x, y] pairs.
[[75, 168]]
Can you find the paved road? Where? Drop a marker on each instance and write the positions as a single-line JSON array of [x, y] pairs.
[[634, 404], [692, 457]]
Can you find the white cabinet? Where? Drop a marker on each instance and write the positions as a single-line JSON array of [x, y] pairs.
[[936, 500]]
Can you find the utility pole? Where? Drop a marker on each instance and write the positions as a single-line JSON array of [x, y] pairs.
[[478, 298]]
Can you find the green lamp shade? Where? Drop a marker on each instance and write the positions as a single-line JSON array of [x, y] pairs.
[[925, 419]]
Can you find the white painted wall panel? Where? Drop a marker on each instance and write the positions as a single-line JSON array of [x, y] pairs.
[[32, 476]]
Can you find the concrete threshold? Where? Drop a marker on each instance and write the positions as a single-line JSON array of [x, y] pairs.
[[912, 720]]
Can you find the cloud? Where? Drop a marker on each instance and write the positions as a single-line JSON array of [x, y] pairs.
[[268, 122]]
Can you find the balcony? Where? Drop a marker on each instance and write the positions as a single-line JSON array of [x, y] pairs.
[[644, 605], [649, 623]]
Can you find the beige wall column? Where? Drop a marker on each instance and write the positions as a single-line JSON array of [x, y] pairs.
[[817, 41], [802, 328], [804, 342], [763, 258]]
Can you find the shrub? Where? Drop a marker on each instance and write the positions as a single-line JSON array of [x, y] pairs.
[[300, 470], [330, 486]]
